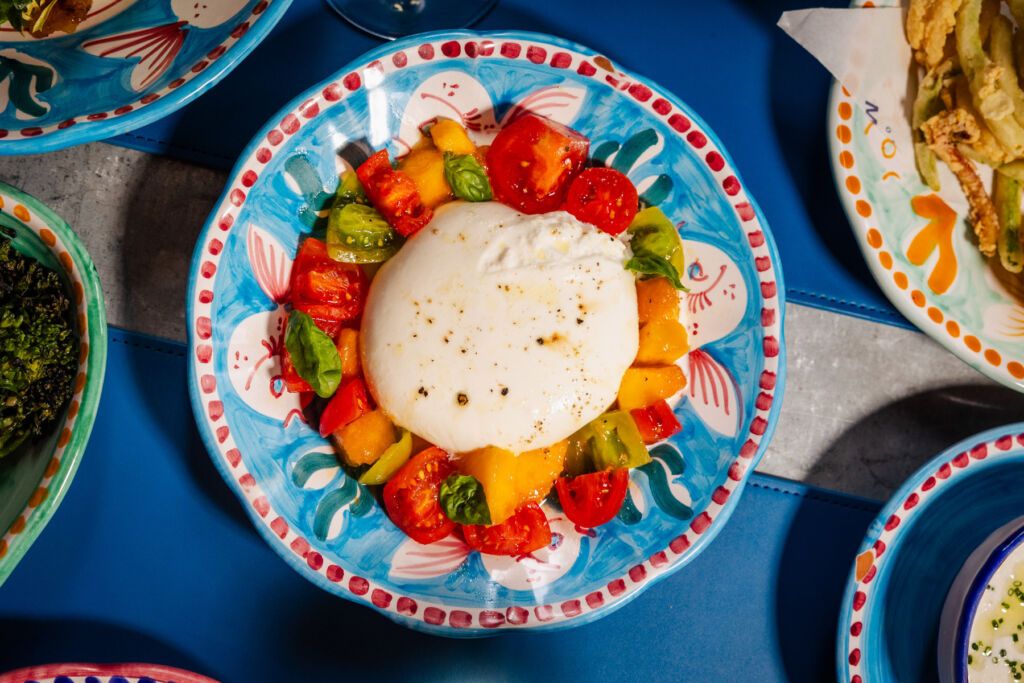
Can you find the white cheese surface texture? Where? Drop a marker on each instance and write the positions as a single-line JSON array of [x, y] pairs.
[[495, 328]]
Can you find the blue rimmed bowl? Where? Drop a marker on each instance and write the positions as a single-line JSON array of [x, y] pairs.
[[327, 526], [913, 551], [129, 63]]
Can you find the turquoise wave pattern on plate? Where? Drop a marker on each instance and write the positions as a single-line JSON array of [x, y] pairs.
[[889, 621], [328, 527], [128, 64]]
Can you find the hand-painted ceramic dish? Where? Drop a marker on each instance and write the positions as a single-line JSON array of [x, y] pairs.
[[129, 63], [330, 528], [979, 575], [34, 478], [102, 673], [889, 621], [926, 263]]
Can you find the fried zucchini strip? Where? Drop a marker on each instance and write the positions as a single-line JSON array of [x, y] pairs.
[[929, 23], [1006, 196], [1001, 47], [995, 106], [942, 132], [927, 104]]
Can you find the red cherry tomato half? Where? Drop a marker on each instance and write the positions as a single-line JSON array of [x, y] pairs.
[[522, 533], [603, 197], [591, 500], [410, 496], [394, 194], [532, 161], [655, 422], [348, 403], [329, 291]]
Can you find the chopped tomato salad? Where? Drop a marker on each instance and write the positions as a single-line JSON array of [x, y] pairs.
[[491, 497]]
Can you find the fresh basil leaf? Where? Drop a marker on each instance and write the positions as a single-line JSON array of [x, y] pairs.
[[653, 237], [462, 499], [648, 263], [357, 233], [313, 353], [467, 177]]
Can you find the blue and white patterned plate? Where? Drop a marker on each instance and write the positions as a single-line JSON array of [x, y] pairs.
[[102, 673], [326, 525], [129, 63]]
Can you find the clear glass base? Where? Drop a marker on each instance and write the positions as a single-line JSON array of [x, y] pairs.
[[396, 18]]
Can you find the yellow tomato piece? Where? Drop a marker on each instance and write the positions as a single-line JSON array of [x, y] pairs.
[[662, 342], [656, 299], [426, 168], [367, 437], [510, 480], [348, 349], [450, 136], [642, 387]]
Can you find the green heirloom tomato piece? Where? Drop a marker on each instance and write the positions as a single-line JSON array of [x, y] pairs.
[[349, 191], [462, 499], [656, 246], [313, 354], [617, 442], [390, 461], [357, 233], [467, 177]]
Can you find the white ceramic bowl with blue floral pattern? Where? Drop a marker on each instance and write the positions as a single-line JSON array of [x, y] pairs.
[[326, 525], [129, 63]]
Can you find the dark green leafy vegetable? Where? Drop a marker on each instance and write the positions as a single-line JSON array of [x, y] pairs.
[[357, 233], [462, 499], [467, 177], [38, 348], [657, 249], [12, 10], [313, 354]]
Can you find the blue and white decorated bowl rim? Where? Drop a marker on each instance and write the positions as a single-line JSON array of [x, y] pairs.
[[946, 470], [705, 526], [199, 77]]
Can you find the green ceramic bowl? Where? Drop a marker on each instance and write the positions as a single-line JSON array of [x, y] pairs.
[[34, 479]]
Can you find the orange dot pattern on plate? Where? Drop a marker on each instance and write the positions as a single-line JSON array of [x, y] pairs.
[[21, 213], [3, 547], [65, 260], [73, 409], [52, 468], [38, 496], [18, 526], [83, 353], [79, 293], [79, 382], [874, 239], [48, 237], [65, 436]]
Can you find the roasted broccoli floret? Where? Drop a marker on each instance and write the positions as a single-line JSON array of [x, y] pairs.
[[38, 348]]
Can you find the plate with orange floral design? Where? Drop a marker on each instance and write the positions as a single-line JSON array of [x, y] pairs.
[[918, 244]]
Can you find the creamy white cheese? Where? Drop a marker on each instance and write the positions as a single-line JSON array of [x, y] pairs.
[[495, 328]]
